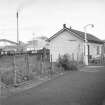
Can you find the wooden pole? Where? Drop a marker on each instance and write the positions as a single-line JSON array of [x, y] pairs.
[[14, 70], [77, 58], [42, 64], [17, 16], [27, 64], [72, 57], [51, 64], [0, 86], [41, 68]]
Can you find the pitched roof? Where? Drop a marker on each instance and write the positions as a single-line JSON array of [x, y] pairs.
[[81, 35], [5, 40]]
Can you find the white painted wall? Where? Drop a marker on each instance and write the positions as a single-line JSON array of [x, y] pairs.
[[66, 43]]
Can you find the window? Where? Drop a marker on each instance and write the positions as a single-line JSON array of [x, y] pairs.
[[98, 50]]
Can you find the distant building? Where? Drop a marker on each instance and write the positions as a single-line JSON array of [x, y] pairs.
[[7, 45], [71, 41], [36, 44]]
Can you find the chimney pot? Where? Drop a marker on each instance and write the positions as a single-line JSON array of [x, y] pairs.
[[64, 25], [70, 27]]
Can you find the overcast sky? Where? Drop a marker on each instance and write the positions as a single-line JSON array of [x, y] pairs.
[[46, 17]]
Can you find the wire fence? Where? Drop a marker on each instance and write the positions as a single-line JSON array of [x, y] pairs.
[[17, 68]]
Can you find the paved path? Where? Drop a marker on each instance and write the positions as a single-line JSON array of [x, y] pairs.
[[73, 88]]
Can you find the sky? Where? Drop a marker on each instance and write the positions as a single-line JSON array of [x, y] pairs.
[[46, 17]]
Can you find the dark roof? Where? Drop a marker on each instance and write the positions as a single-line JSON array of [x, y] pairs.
[[90, 37], [81, 35], [5, 40]]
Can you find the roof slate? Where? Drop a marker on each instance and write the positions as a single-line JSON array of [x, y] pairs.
[[90, 37]]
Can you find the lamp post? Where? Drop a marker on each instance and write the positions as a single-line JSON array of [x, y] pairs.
[[86, 44]]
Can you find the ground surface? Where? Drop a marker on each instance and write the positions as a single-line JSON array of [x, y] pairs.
[[84, 87]]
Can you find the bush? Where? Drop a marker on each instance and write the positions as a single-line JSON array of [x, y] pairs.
[[66, 64], [7, 78], [30, 76]]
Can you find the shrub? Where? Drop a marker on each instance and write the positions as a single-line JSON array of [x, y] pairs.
[[30, 76], [66, 64], [7, 78]]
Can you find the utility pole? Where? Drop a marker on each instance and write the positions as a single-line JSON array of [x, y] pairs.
[[17, 16], [14, 56]]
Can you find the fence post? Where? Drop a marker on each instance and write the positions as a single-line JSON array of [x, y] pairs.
[[0, 90], [82, 58], [52, 64], [77, 58], [27, 64], [14, 70], [42, 71], [0, 86], [72, 57]]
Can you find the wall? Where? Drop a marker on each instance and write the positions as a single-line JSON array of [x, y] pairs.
[[104, 48], [66, 43], [39, 44], [93, 49]]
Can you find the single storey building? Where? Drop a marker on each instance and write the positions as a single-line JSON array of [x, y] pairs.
[[71, 41]]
